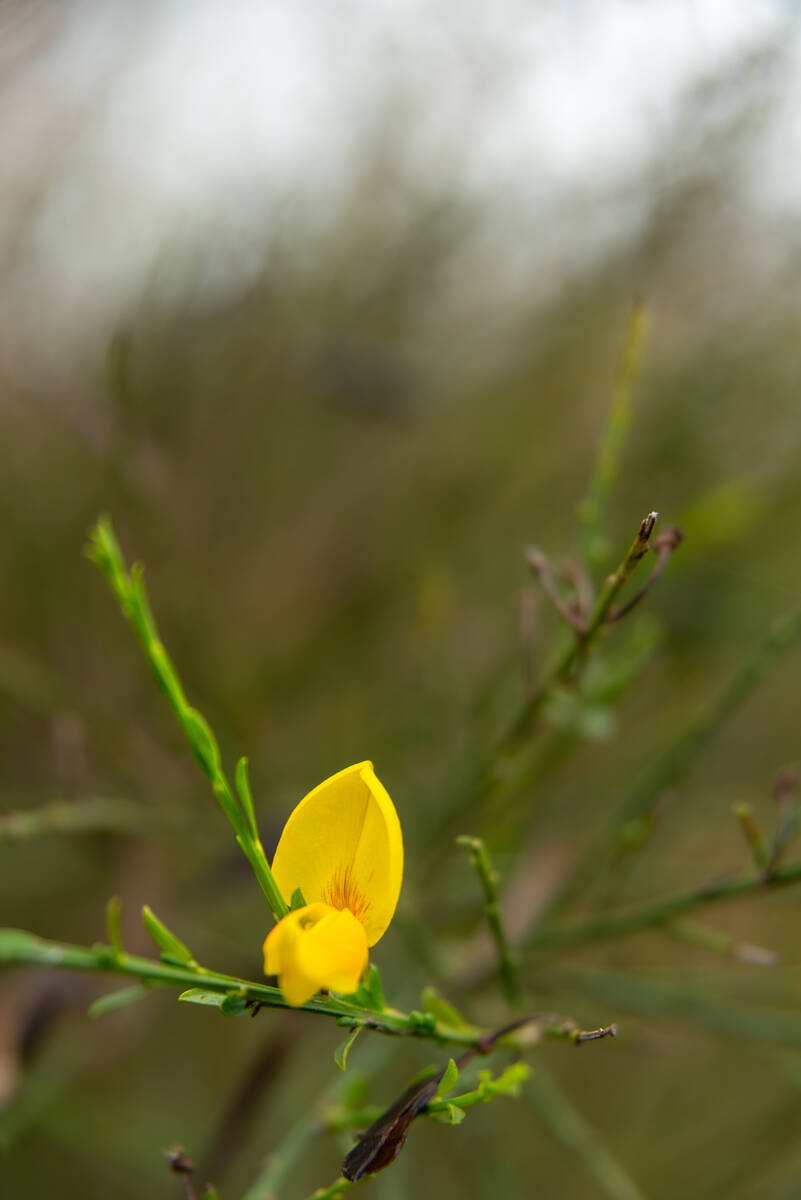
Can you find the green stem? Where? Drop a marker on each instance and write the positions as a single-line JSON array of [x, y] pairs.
[[469, 795], [593, 509], [329, 1113], [281, 1161], [97, 814], [751, 832], [573, 1131], [20, 948], [577, 649], [721, 943], [489, 884], [649, 998], [335, 1189], [129, 588], [607, 925], [667, 769]]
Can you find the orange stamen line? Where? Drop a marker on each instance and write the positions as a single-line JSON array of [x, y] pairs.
[[341, 892]]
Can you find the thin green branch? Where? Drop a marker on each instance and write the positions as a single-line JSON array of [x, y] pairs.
[[335, 1189], [593, 509], [650, 997], [576, 651], [508, 1083], [96, 814], [665, 542], [752, 834], [568, 1125], [605, 925], [784, 791], [719, 942], [489, 883], [114, 924], [664, 771], [486, 774], [20, 948], [129, 588], [331, 1112], [281, 1161]]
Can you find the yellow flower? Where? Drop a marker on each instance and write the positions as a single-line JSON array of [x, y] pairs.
[[342, 847]]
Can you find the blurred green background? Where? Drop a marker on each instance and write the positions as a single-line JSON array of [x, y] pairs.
[[330, 421]]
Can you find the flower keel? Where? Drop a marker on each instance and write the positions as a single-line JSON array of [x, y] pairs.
[[315, 947]]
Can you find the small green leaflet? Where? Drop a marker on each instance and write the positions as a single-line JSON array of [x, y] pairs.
[[198, 996], [343, 1050], [450, 1078], [230, 1004], [166, 941], [297, 900]]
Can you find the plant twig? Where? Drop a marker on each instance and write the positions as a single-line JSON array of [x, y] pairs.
[[665, 542], [182, 1166], [541, 566], [658, 997], [330, 1112], [281, 1161], [577, 650], [489, 883], [20, 948], [485, 775], [97, 814], [696, 934], [382, 1142], [619, 923], [751, 832], [593, 509], [508, 1083], [333, 1190], [784, 791], [234, 1126], [574, 1132], [668, 768], [129, 588]]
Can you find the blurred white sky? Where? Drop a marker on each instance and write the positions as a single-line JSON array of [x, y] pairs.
[[127, 128]]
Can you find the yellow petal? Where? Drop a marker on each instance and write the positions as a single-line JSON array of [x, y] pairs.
[[342, 846], [316, 947]]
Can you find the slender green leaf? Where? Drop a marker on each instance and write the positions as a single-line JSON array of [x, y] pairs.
[[375, 989], [165, 940], [114, 1000], [243, 788]]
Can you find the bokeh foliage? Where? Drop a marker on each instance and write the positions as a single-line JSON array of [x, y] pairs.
[[332, 476]]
